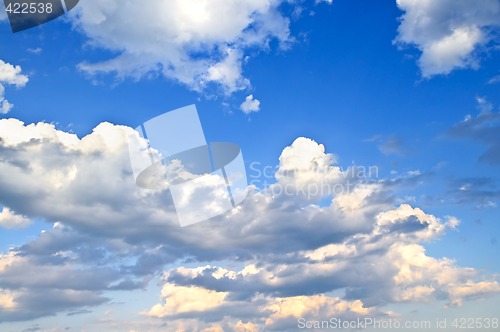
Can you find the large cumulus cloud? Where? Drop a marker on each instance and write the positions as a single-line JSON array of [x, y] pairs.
[[282, 248]]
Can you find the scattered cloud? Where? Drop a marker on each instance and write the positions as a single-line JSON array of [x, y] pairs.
[[483, 128], [250, 105], [484, 105], [449, 33], [494, 80], [483, 192], [391, 144], [79, 312], [36, 51], [9, 75]]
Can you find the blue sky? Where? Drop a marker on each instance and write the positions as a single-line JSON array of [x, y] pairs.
[[406, 86]]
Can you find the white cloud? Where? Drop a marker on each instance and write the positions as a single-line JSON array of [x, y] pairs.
[[450, 52], [180, 299], [5, 105], [447, 32], [228, 72], [494, 80], [9, 75], [423, 278], [306, 171], [193, 42], [7, 300], [250, 105], [285, 312], [9, 219], [287, 250], [484, 105], [35, 51]]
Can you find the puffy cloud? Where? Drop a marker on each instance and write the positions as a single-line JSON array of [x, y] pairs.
[[7, 301], [67, 179], [5, 105], [9, 75], [423, 278], [285, 312], [250, 105], [447, 32], [62, 270], [404, 273], [8, 219], [471, 290], [193, 42], [307, 172], [386, 265], [181, 299], [288, 250], [411, 221], [245, 327]]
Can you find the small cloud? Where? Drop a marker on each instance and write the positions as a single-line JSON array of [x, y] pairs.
[[483, 105], [9, 219], [33, 328], [79, 312], [9, 75], [488, 204], [483, 128], [483, 192], [250, 105], [5, 106], [36, 51], [393, 145], [494, 80], [374, 138], [440, 165]]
